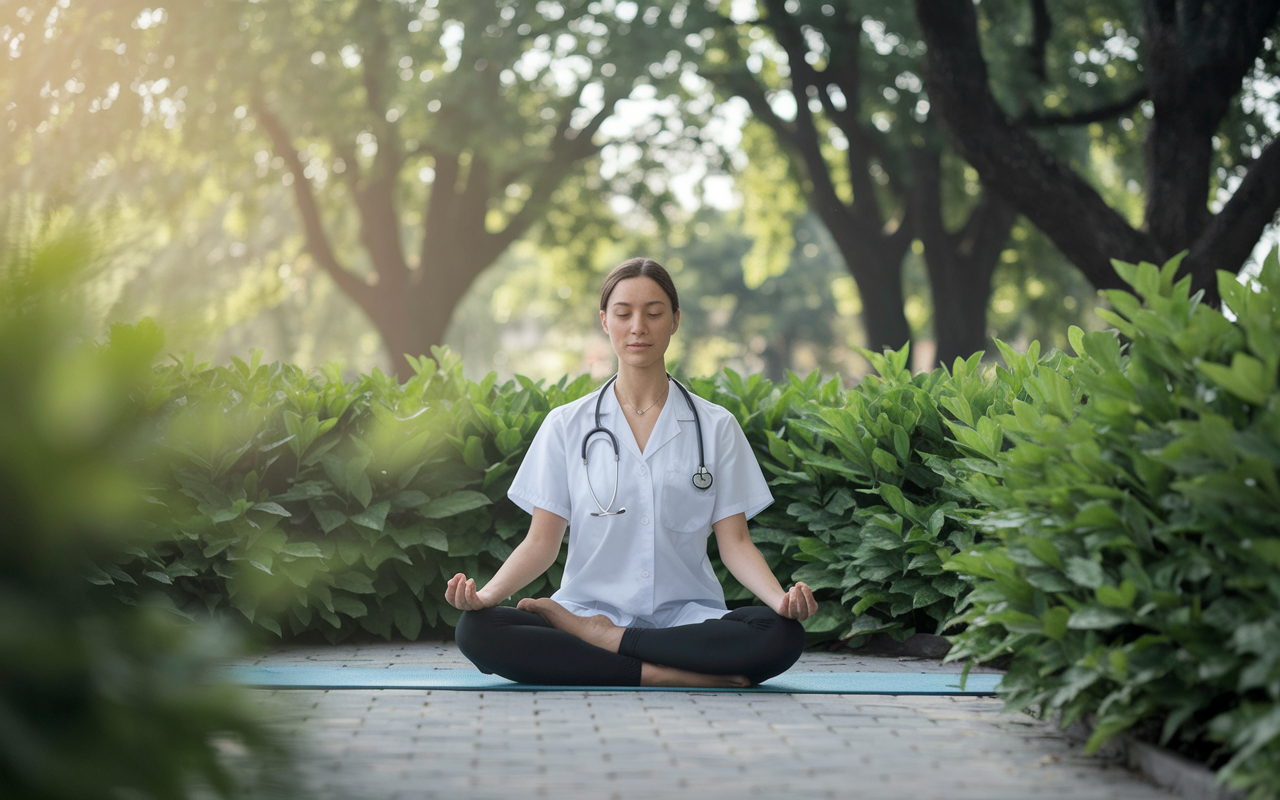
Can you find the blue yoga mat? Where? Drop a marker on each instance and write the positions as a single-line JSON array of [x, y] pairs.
[[315, 677]]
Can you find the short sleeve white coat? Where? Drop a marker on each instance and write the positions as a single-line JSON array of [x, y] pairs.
[[648, 567]]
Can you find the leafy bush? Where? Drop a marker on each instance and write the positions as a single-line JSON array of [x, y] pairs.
[[865, 480], [306, 502], [1132, 567], [97, 699]]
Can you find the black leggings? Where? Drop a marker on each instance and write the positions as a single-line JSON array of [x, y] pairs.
[[521, 646]]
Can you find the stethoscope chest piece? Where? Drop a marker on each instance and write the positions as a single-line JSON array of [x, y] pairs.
[[702, 478]]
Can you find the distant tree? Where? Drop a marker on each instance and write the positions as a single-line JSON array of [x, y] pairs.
[[837, 84], [1194, 61], [766, 326], [420, 138]]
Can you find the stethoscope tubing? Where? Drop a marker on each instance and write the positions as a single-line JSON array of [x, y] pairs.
[[701, 479]]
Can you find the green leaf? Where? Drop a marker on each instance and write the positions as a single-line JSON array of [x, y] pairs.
[[885, 461], [356, 582], [419, 535], [816, 548], [863, 625], [830, 617], [866, 602], [1247, 378], [959, 407], [272, 508], [780, 451], [97, 576], [473, 453], [1054, 620], [352, 607], [362, 491], [374, 517], [1084, 572], [453, 504], [1122, 597], [1044, 550], [893, 496], [509, 441], [328, 518], [1096, 618], [302, 550], [407, 618], [902, 445]]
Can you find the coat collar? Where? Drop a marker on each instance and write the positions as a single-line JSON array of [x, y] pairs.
[[674, 411]]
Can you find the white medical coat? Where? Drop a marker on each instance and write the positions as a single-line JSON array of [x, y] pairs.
[[648, 567]]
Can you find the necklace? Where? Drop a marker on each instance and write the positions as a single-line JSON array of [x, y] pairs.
[[651, 405]]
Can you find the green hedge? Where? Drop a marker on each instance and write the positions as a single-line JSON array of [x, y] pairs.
[[1131, 568], [868, 507], [305, 502]]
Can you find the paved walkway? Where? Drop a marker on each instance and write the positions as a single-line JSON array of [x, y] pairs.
[[378, 745]]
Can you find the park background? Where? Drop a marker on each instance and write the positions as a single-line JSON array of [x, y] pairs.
[[334, 185], [353, 181]]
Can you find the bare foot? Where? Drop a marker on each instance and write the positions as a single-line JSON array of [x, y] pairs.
[[658, 675], [598, 630]]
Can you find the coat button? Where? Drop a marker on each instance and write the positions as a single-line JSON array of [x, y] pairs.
[[643, 471], [644, 574], [644, 520]]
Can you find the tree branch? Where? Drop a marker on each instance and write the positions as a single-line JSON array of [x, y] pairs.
[[984, 234], [441, 201], [570, 146], [866, 203], [1099, 114], [746, 87], [1231, 236], [1041, 30], [390, 156], [317, 240], [1010, 161]]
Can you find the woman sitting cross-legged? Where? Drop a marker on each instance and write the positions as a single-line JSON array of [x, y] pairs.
[[641, 471]]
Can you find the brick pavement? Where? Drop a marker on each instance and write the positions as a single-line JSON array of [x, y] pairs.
[[387, 744]]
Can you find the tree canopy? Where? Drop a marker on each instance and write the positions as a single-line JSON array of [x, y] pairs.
[[402, 146], [419, 139]]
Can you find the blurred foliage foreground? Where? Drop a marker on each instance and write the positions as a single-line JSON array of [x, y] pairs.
[[98, 699], [1106, 521]]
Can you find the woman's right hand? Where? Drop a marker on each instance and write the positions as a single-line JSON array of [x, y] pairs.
[[461, 593]]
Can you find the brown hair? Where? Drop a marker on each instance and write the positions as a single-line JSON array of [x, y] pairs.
[[640, 268]]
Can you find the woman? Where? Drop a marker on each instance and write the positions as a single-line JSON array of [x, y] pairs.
[[639, 604]]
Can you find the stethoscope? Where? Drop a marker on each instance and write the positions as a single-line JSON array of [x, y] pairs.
[[701, 478]]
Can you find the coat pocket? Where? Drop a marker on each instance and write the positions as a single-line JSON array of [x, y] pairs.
[[685, 508]]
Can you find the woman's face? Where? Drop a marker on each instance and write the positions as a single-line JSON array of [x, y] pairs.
[[639, 321]]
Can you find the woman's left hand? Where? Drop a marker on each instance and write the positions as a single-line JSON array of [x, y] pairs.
[[798, 603]]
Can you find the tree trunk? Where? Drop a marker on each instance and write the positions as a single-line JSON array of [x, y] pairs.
[[879, 279], [960, 264], [875, 262], [777, 356], [413, 320]]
